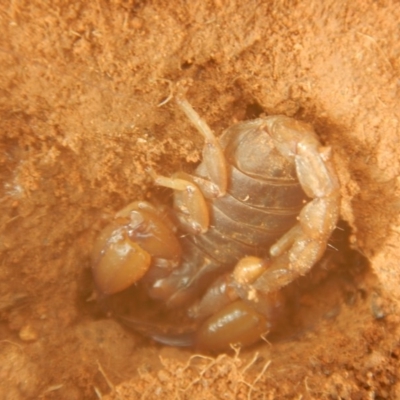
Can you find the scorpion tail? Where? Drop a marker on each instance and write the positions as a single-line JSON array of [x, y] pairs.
[[161, 334]]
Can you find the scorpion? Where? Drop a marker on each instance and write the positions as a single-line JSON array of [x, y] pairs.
[[255, 215]]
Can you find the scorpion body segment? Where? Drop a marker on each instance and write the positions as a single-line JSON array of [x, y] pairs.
[[256, 214]]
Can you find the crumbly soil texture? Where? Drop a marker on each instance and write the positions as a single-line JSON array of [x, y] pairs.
[[86, 105]]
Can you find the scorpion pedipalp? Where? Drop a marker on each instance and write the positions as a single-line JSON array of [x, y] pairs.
[[124, 250], [119, 263]]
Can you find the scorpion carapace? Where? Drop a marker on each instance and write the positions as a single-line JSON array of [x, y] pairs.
[[255, 215]]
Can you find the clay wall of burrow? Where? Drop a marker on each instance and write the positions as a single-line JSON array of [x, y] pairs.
[[84, 110]]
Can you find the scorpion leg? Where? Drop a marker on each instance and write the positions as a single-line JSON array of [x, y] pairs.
[[189, 201], [213, 156]]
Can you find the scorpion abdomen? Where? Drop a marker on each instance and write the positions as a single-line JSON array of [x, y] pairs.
[[262, 203]]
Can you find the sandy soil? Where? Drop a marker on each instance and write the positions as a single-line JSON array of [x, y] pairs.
[[80, 89]]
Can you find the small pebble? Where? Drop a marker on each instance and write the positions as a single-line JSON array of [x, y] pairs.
[[28, 334]]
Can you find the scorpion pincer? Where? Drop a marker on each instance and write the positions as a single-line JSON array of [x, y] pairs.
[[255, 215]]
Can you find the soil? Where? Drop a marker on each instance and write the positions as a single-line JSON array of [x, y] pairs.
[[85, 107]]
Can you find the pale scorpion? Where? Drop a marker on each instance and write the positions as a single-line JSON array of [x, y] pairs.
[[255, 215]]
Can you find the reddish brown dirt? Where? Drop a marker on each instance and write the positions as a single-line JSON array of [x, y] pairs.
[[79, 87]]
